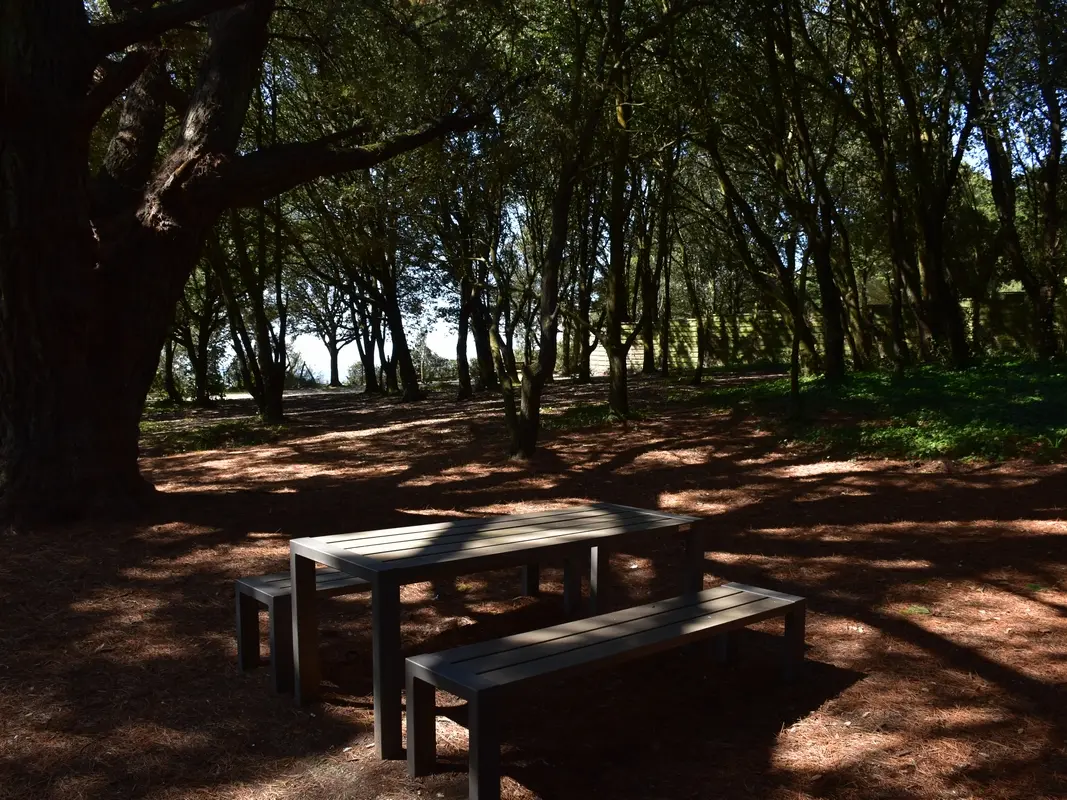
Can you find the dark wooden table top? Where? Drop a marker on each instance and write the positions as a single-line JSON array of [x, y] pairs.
[[421, 548]]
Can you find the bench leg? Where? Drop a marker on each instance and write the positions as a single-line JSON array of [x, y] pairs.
[[247, 631], [531, 580], [572, 585], [725, 645], [694, 561], [422, 729], [794, 642], [281, 645], [484, 774], [598, 563]]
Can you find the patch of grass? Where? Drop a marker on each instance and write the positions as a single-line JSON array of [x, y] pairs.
[[167, 437], [162, 404], [1036, 587], [919, 610], [989, 412], [582, 415]]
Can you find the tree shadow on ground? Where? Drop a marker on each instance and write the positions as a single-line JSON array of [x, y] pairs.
[[118, 678]]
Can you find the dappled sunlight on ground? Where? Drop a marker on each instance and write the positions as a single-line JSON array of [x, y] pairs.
[[936, 636]]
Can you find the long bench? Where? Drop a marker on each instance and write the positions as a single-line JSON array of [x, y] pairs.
[[484, 673], [275, 592]]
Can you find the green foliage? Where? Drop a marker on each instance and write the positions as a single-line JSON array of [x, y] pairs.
[[582, 415], [992, 411], [354, 377], [167, 437], [914, 610]]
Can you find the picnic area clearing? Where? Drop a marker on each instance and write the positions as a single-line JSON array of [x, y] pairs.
[[936, 627]]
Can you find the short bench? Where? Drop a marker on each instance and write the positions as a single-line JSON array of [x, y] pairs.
[[483, 673], [275, 592]]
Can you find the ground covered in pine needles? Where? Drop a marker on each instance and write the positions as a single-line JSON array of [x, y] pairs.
[[937, 627]]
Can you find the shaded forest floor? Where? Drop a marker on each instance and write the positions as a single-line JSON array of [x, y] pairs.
[[937, 637]]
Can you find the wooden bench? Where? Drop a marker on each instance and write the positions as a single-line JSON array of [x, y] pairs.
[[275, 592], [483, 673]]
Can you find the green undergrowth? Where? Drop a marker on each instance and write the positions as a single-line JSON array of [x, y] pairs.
[[581, 415], [986, 412], [167, 437]]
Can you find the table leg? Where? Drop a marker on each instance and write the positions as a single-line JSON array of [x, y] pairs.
[[794, 642], [572, 585], [388, 669], [598, 561], [694, 560], [531, 580], [305, 623]]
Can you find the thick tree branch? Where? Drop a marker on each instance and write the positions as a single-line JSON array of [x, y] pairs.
[[146, 25], [114, 78], [263, 174]]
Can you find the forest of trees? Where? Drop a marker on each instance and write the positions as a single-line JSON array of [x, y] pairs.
[[201, 180]]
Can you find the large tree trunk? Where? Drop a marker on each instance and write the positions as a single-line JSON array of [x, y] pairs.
[[90, 274], [82, 319]]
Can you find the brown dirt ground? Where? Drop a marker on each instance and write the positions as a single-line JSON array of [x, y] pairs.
[[117, 655]]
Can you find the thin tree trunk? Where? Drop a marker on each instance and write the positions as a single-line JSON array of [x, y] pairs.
[[335, 372], [201, 363], [401, 356], [900, 353], [665, 326], [463, 370], [649, 304], [482, 345], [833, 330], [169, 384]]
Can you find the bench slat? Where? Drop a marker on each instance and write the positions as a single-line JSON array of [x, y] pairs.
[[327, 582], [616, 636], [544, 651], [645, 643], [578, 626]]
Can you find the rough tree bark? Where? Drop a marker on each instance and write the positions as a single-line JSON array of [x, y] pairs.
[[91, 270]]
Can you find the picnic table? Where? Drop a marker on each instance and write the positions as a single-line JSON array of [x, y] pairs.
[[390, 558]]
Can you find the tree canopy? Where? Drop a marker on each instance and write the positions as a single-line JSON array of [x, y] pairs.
[[843, 184]]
